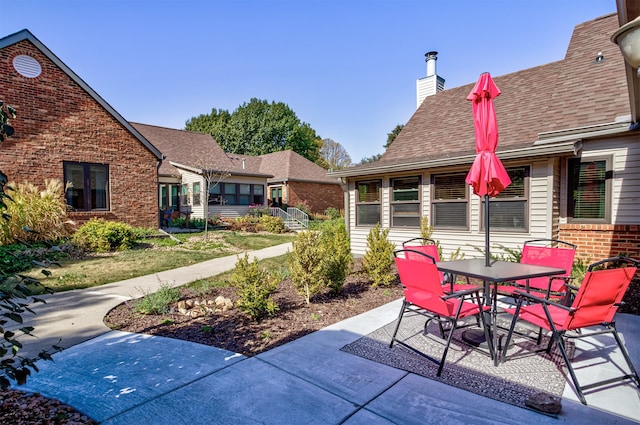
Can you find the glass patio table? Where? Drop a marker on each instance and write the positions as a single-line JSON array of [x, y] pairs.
[[496, 273]]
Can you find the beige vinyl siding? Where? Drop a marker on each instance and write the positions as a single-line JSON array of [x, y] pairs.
[[189, 178], [358, 234], [624, 154], [541, 199], [546, 208], [543, 178]]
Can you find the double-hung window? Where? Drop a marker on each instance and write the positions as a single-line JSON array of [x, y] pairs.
[[589, 188], [449, 201], [236, 194], [368, 202], [184, 194], [405, 202], [87, 186], [509, 209], [196, 193]]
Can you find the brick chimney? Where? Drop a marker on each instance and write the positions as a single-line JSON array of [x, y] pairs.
[[431, 84]]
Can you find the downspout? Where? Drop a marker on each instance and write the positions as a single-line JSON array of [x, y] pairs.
[[345, 189], [158, 191]]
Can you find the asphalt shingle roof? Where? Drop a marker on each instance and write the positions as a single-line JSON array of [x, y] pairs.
[[289, 165], [570, 93], [196, 150]]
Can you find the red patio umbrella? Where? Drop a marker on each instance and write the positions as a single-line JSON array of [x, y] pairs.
[[487, 174]]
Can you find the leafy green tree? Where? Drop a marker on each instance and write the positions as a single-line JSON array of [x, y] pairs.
[[333, 156], [392, 136], [257, 128], [372, 158]]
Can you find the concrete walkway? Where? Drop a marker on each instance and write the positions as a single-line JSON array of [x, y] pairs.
[[71, 317], [123, 378]]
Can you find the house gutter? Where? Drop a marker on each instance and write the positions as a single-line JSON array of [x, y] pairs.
[[572, 147], [620, 126], [232, 173]]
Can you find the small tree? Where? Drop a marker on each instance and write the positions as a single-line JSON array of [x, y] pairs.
[[378, 259], [254, 288], [306, 264], [212, 177], [336, 249]]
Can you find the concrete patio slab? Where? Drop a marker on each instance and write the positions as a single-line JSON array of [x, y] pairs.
[[117, 371], [253, 392]]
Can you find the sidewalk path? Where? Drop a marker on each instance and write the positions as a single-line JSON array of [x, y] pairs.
[[71, 317]]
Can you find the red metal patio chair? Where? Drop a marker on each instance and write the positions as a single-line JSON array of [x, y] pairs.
[[550, 253], [424, 294], [595, 305], [429, 247]]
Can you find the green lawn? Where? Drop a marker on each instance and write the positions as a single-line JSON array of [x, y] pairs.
[[153, 255]]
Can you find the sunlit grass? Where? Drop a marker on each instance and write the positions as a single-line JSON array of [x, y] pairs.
[[152, 256]]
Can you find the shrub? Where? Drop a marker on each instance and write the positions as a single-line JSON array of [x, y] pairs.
[[34, 214], [254, 288], [332, 213], [259, 211], [15, 296], [272, 224], [99, 235], [378, 260], [306, 264], [157, 302], [336, 253]]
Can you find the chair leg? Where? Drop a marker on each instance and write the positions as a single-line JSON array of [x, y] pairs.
[[511, 329], [634, 374], [446, 348], [395, 332], [557, 337]]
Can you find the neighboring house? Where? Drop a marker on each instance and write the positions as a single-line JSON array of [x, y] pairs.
[[564, 137], [297, 180], [238, 182], [241, 181], [65, 131]]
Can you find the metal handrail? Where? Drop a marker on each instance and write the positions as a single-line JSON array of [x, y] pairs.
[[299, 215], [292, 214]]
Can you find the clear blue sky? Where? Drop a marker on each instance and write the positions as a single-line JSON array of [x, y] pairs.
[[346, 67]]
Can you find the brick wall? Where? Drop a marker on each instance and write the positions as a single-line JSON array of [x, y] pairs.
[[57, 120], [599, 241], [319, 196]]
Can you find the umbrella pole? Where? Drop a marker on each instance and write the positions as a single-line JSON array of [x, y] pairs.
[[487, 256]]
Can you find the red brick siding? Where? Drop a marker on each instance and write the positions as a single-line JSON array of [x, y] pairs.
[[57, 120], [319, 196], [599, 241]]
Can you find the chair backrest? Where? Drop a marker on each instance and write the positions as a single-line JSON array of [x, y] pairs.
[[600, 293], [426, 246], [539, 252], [420, 280]]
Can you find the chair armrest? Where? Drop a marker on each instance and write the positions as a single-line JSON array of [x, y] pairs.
[[462, 293], [542, 300]]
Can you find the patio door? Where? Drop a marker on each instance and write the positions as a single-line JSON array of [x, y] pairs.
[[168, 198], [276, 196]]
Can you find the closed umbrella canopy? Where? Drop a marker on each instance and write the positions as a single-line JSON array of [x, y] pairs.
[[487, 175]]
